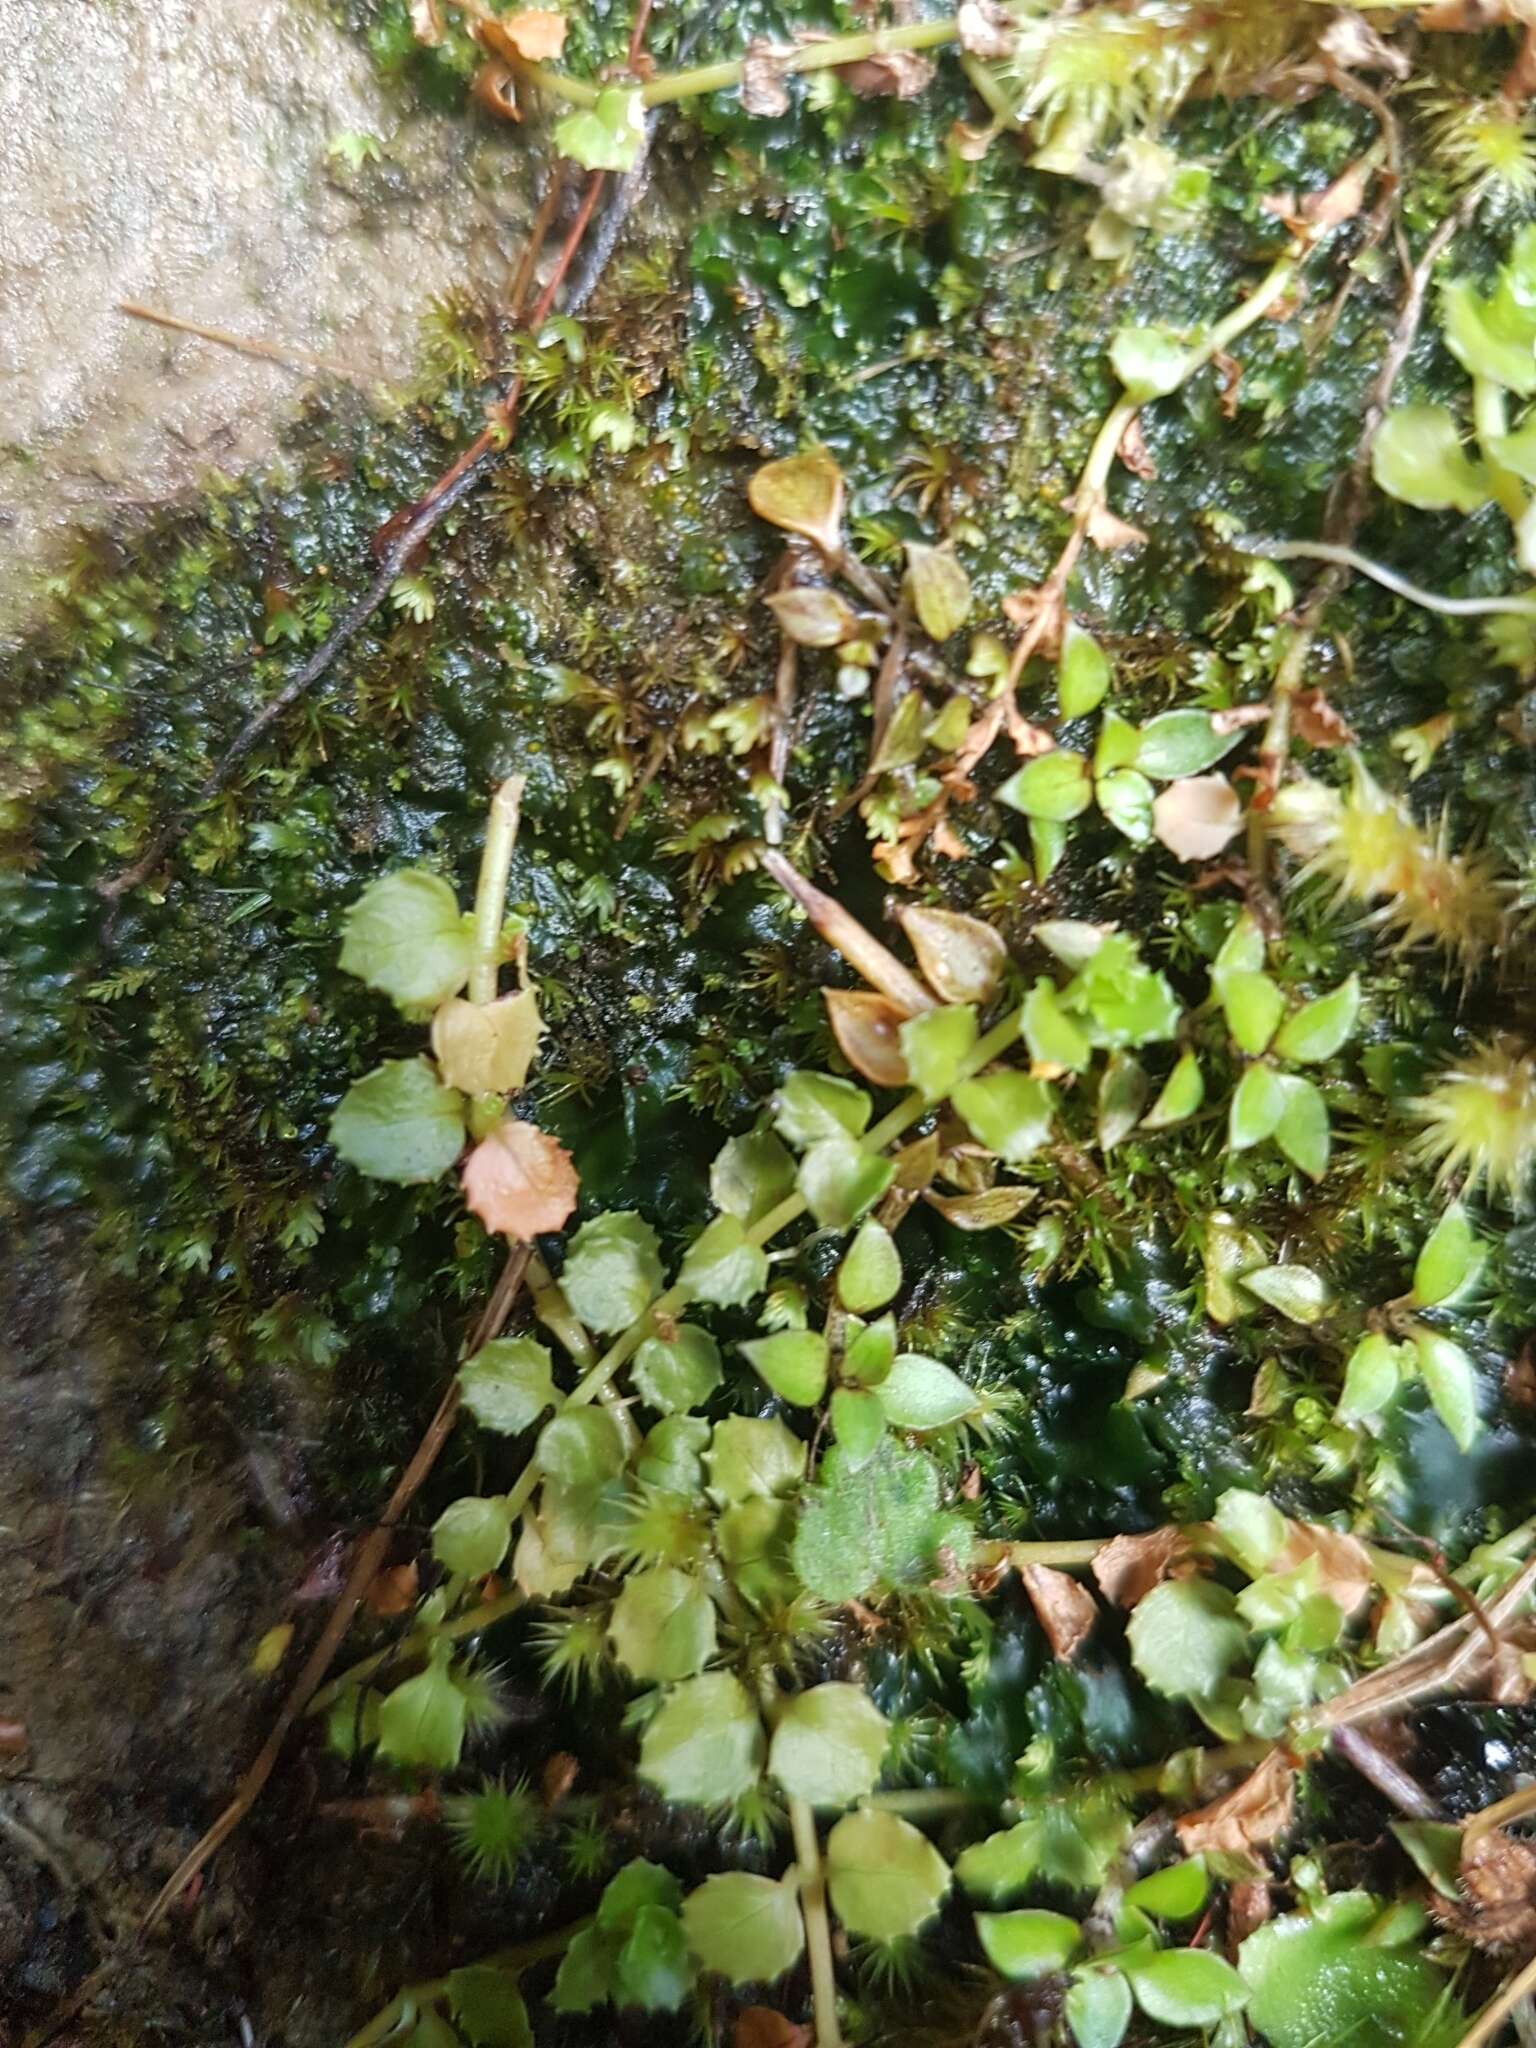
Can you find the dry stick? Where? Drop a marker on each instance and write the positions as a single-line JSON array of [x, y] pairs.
[[407, 532], [842, 931], [291, 357]]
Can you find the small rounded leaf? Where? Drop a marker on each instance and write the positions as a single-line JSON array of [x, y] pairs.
[[751, 1175], [1148, 361], [829, 1744], [1302, 1132], [920, 1393], [962, 959], [802, 494], [1319, 1028], [746, 1928], [1417, 458], [520, 1181], [407, 937], [1186, 1987], [1298, 1292], [885, 1877], [705, 1746], [1448, 1260], [813, 616], [1098, 2009], [858, 1423], [793, 1363], [722, 1266], [613, 1272], [508, 1384], [935, 1046], [470, 1536], [1452, 1383], [399, 1123], [1180, 743], [1054, 1037], [1053, 787], [867, 1028], [871, 1270], [1181, 1095], [486, 1048], [1258, 1103], [676, 1373], [1029, 1943], [662, 1625], [1372, 1376], [583, 1447], [939, 588], [1084, 674], [1197, 816]]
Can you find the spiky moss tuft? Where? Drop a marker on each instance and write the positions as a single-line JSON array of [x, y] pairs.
[[1484, 142], [1369, 846], [1480, 1122]]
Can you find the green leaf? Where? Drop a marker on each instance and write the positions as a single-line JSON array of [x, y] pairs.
[[406, 937], [721, 1267], [1258, 1103], [399, 1123], [662, 1625], [654, 1969], [1317, 1979], [431, 2031], [1452, 1383], [581, 1447], [1417, 458], [1053, 1037], [1435, 1847], [1302, 1132], [1319, 1028], [872, 1526], [1253, 1006], [935, 1044], [585, 1976], [1123, 1090], [1493, 337], [612, 1273], [1242, 950], [920, 1393], [751, 1175], [423, 1720], [1177, 1893], [1124, 1002], [1047, 843], [1029, 1944], [1084, 674], [829, 1745], [939, 587], [870, 1272], [1185, 1987], [508, 1384], [1251, 1527], [1009, 1113], [1371, 1378], [1149, 361], [1298, 1292], [676, 1373], [858, 1423], [1448, 1260], [1053, 787], [746, 1928], [488, 2008], [705, 1746], [869, 1352], [1185, 1637], [671, 1457], [1098, 2008], [471, 1535], [1181, 1095], [751, 1455], [1116, 746], [1125, 798], [793, 1363], [1180, 743], [810, 1107], [640, 1883], [605, 137], [886, 1879], [839, 1181]]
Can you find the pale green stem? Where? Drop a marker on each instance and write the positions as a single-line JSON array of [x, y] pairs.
[[1490, 419], [1351, 558], [1070, 1551], [676, 1298], [491, 888], [923, 1802], [471, 1623], [567, 1328], [818, 1931], [432, 1989], [991, 93]]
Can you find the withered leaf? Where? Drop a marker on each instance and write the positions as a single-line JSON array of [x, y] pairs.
[[520, 1181], [486, 1048], [1229, 373], [889, 74], [1253, 1813], [1128, 1567], [393, 1590], [1236, 716], [987, 1210], [763, 90], [1343, 1562], [427, 23], [917, 1163], [1338, 202], [1133, 451], [971, 144], [1497, 1909], [1195, 818], [961, 958], [1249, 1905], [1316, 721], [868, 1028], [1108, 532], [813, 616], [533, 34], [759, 2026], [495, 87], [1066, 1610], [802, 494], [985, 29], [1354, 45]]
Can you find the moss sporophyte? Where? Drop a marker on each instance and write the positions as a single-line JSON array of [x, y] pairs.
[[890, 963]]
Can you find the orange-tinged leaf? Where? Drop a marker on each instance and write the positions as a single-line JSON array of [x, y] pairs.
[[532, 34], [1343, 1563], [1066, 1610], [759, 2026], [1128, 1567], [427, 23], [520, 1181], [1195, 818], [868, 1027], [495, 87], [393, 1591], [1253, 1813]]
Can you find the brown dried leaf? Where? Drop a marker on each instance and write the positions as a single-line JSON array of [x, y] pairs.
[[917, 1163], [1229, 372], [520, 1181], [987, 1210], [985, 30], [1108, 532], [394, 1590], [1343, 1562], [1469, 17], [759, 2026], [948, 842], [1249, 1905], [763, 90], [13, 1738], [1338, 202], [1250, 1815], [495, 87], [557, 1777], [1133, 450], [961, 958], [1067, 1611], [971, 144], [1497, 1909], [868, 1027], [889, 74], [533, 34], [1128, 1567], [842, 931], [1236, 716], [802, 494], [1316, 721], [813, 616], [427, 23], [487, 1048], [1354, 45], [1196, 818]]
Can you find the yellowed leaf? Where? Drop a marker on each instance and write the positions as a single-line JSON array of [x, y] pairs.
[[987, 1210], [487, 1048], [271, 1650], [868, 1029], [802, 494], [520, 1181], [1066, 1611], [1241, 1822], [1195, 818], [533, 34]]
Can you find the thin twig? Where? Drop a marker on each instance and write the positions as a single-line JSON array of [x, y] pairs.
[[288, 354]]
